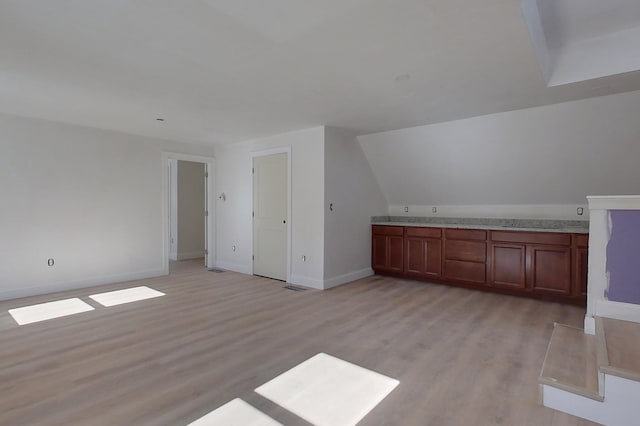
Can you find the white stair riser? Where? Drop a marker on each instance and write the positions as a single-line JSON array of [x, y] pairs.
[[621, 400]]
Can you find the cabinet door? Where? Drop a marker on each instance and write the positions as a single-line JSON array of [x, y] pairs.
[[581, 262], [423, 257], [507, 267], [549, 269], [379, 252], [396, 258]]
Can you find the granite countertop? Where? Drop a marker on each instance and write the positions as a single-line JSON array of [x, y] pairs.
[[532, 225]]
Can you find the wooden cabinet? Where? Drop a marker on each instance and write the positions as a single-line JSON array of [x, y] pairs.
[[539, 262], [507, 266], [387, 249], [536, 264], [580, 263], [465, 255], [549, 269], [423, 252]]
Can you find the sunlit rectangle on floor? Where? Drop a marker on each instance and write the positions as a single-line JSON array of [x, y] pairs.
[[235, 413], [328, 391], [49, 310], [127, 295]]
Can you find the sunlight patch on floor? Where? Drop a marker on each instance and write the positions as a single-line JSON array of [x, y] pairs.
[[118, 297], [235, 413], [328, 391], [49, 310]]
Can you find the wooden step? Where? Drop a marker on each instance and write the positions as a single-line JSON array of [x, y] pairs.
[[622, 342], [571, 363]]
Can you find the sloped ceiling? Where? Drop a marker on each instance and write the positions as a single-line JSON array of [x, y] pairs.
[[577, 40], [226, 70]]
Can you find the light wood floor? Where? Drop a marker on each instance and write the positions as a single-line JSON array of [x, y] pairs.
[[462, 357]]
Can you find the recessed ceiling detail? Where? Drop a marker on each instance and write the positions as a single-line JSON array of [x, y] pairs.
[[578, 40]]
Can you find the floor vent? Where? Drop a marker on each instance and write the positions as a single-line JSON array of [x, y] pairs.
[[294, 288], [216, 270]]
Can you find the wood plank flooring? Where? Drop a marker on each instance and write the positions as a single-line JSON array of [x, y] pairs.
[[462, 357]]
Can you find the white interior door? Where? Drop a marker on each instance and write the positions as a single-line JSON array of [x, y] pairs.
[[270, 216]]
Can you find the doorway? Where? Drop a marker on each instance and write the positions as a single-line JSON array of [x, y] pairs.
[[187, 215], [271, 227], [189, 233]]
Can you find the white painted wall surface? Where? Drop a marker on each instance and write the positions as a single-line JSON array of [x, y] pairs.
[[352, 189], [190, 210], [553, 155], [88, 198], [233, 216]]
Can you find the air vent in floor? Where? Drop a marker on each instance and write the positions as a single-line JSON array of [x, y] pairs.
[[294, 288]]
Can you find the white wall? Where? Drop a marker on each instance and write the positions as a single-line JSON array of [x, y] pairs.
[[90, 199], [233, 216], [352, 189], [190, 210], [553, 155]]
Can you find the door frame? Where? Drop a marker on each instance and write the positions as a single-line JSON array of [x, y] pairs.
[[264, 153], [210, 238]]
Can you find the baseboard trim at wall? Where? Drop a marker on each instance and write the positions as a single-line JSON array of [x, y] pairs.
[[190, 255], [347, 278], [235, 267], [73, 285], [307, 282], [618, 310]]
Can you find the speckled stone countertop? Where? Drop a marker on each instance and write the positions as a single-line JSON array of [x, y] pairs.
[[535, 225]]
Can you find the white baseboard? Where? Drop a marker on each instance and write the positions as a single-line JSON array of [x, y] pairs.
[[346, 278], [235, 267], [72, 285], [190, 255], [589, 325], [618, 310], [307, 282]]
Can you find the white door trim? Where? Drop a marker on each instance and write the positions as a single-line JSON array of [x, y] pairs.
[[262, 153], [211, 232]]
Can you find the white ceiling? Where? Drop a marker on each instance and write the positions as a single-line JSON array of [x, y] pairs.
[[227, 70]]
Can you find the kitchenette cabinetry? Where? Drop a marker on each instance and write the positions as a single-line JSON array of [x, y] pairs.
[[539, 262], [423, 252], [387, 249], [535, 264], [465, 255]]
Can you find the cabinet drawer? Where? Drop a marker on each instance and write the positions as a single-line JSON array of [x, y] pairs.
[[387, 230], [472, 251], [465, 234], [465, 271], [581, 240], [410, 231], [552, 238]]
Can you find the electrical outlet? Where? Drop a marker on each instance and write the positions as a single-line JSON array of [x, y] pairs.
[[406, 209], [434, 210], [580, 211]]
